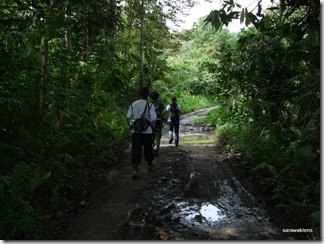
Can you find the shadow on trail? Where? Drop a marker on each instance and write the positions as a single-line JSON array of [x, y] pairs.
[[191, 195]]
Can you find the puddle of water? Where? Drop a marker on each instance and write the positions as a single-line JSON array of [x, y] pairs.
[[206, 213], [211, 212], [190, 129]]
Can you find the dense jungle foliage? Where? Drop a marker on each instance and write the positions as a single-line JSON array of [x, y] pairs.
[[268, 85], [69, 70]]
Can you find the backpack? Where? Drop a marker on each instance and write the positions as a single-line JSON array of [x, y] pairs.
[[141, 123], [175, 113], [157, 109], [158, 123]]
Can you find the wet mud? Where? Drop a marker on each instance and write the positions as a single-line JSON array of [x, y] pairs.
[[191, 195]]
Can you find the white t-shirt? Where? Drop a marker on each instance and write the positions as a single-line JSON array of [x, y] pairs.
[[136, 110], [168, 108]]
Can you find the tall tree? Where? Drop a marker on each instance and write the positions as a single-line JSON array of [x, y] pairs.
[[141, 71], [146, 23]]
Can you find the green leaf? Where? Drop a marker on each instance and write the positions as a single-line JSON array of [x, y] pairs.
[[242, 15], [273, 8], [213, 19], [247, 18]]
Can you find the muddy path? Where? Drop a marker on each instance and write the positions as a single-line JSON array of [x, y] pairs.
[[191, 195]]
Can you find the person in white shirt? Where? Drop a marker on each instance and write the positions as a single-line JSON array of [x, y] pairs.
[[141, 137]]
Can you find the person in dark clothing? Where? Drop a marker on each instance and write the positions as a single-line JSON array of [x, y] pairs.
[[141, 137], [174, 112], [160, 112]]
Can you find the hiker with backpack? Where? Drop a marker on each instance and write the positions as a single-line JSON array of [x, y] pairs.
[[174, 111], [160, 112], [141, 119]]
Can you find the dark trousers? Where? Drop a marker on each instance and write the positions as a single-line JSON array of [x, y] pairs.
[[140, 140], [174, 126]]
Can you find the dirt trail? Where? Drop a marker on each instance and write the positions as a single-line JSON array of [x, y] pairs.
[[191, 195]]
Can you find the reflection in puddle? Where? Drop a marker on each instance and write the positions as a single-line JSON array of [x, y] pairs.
[[204, 214], [211, 213]]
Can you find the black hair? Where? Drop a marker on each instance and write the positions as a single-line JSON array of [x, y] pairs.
[[155, 95], [144, 92], [173, 98]]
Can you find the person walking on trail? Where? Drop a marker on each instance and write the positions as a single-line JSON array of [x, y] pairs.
[[174, 111], [160, 112], [141, 119]]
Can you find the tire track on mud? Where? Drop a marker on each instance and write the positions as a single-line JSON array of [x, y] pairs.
[[191, 195]]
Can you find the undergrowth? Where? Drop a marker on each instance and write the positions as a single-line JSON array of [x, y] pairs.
[[284, 164], [44, 175]]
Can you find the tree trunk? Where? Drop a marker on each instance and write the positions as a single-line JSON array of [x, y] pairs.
[[45, 73], [141, 69]]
